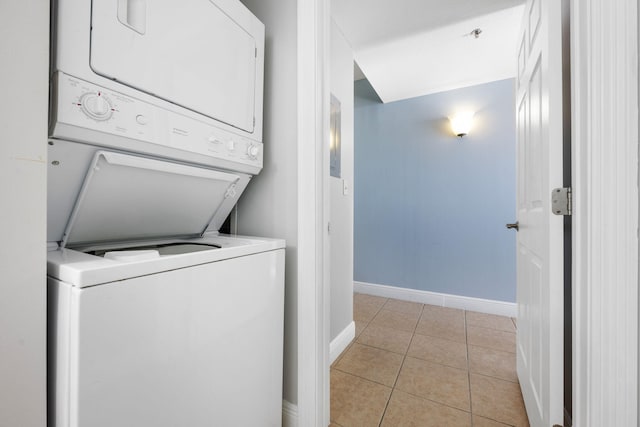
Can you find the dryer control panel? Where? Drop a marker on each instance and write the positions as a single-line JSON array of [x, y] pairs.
[[87, 113]]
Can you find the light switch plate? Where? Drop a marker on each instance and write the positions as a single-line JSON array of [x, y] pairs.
[[345, 188]]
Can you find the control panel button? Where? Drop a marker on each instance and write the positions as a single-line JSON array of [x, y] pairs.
[[253, 151], [96, 106], [231, 145], [213, 139], [142, 120]]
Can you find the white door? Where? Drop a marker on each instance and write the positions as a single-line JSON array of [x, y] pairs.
[[540, 240]]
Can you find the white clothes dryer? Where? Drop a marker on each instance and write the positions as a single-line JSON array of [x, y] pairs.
[[203, 60]]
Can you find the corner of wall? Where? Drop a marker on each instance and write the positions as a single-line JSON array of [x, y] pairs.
[[342, 188]]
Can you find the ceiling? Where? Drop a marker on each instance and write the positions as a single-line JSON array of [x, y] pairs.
[[409, 48]]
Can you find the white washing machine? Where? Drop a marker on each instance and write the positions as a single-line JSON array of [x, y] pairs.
[[150, 329], [155, 319], [188, 335]]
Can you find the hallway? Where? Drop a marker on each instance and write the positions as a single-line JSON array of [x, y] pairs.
[[421, 365]]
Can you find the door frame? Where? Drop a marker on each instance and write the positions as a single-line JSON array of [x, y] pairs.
[[604, 56], [313, 204]]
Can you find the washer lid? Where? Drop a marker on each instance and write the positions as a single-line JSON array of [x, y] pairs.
[[126, 197]]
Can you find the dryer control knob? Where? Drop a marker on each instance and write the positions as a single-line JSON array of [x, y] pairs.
[[252, 151], [96, 106]]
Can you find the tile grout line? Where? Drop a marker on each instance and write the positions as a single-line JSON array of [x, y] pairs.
[[383, 349], [440, 338], [437, 402], [466, 346], [493, 329], [374, 315], [363, 378], [377, 312], [404, 358]]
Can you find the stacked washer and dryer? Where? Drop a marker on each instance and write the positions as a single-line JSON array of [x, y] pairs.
[[156, 319]]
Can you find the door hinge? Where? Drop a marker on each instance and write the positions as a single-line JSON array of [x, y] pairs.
[[561, 203]]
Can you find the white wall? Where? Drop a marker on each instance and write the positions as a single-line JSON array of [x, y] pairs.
[[24, 49], [269, 206], [341, 215]]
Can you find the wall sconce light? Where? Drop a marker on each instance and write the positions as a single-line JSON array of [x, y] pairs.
[[461, 123]]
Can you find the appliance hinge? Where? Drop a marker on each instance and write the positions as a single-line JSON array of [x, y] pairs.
[[231, 191], [561, 203]]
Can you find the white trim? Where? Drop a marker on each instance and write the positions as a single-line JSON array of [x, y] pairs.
[[323, 105], [313, 289], [341, 342], [289, 414], [500, 308], [604, 45]]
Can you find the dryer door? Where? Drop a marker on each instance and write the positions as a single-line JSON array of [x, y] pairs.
[[126, 197], [190, 52]]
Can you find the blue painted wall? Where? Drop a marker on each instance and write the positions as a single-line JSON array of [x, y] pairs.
[[430, 208]]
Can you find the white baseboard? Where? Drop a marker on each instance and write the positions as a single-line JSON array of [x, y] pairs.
[[500, 308], [339, 343], [289, 414]]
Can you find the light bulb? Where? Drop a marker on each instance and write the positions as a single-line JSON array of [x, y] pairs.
[[461, 122]]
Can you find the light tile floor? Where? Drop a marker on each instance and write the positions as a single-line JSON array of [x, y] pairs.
[[421, 365]]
